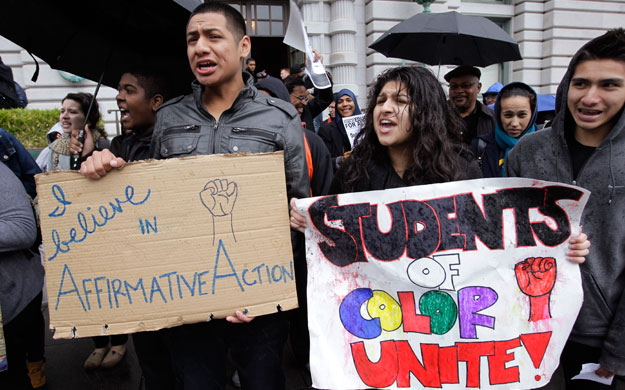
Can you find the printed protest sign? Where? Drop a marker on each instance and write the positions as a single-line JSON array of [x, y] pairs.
[[297, 37], [162, 243], [352, 125], [456, 285]]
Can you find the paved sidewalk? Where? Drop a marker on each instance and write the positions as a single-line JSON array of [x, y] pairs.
[[65, 371]]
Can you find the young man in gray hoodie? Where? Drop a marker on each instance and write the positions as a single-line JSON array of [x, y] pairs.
[[586, 147]]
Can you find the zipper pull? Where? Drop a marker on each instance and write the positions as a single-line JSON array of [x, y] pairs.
[[237, 129]]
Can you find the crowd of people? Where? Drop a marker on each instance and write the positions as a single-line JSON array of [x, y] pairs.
[[414, 134]]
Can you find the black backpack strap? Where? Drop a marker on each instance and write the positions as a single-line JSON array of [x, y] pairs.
[[481, 146]]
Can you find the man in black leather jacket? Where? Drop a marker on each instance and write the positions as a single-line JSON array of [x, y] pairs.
[[224, 115]]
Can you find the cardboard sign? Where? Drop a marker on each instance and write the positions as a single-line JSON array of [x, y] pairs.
[[353, 125], [456, 285], [163, 243]]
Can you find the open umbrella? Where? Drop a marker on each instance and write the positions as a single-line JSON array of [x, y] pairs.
[[102, 38], [448, 38]]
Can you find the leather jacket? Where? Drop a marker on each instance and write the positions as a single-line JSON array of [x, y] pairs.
[[254, 124]]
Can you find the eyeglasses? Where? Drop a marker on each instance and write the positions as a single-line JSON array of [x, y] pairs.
[[461, 86], [303, 99]]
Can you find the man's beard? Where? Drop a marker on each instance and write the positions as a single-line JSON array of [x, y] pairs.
[[464, 108]]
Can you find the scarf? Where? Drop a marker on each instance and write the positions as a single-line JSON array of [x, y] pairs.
[[59, 147], [505, 142]]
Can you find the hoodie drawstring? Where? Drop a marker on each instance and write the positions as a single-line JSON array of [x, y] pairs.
[[612, 186]]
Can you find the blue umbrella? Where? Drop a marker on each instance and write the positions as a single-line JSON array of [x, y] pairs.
[[546, 103]]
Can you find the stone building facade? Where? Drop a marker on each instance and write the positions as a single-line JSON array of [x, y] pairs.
[[548, 33]]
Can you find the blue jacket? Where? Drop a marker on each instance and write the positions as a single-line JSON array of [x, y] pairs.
[[17, 158]]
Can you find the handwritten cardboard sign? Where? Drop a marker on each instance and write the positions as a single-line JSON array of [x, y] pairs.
[[353, 125], [162, 243], [456, 285]]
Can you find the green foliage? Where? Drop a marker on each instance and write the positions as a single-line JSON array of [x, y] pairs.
[[29, 126]]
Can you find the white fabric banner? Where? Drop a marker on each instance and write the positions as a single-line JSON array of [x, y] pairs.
[[453, 286]]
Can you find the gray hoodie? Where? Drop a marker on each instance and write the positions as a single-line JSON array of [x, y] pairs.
[[21, 274], [544, 155]]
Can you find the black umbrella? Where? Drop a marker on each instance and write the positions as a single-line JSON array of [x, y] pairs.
[[102, 39], [448, 38]]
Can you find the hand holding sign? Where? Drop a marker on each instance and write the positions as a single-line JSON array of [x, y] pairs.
[[536, 277]]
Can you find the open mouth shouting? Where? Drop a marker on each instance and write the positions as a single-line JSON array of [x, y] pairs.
[[387, 125], [67, 125], [124, 114], [206, 67]]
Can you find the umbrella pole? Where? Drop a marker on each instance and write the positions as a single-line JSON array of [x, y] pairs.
[[438, 74], [81, 136], [440, 57]]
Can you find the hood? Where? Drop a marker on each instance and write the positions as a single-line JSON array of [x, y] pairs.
[[51, 134], [495, 88], [6, 73], [497, 107], [563, 116], [275, 87], [349, 93], [248, 79], [7, 84]]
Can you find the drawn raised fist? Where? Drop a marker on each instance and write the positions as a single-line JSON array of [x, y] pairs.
[[219, 197], [536, 277]]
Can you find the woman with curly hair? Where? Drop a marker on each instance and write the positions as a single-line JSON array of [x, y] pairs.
[[411, 136]]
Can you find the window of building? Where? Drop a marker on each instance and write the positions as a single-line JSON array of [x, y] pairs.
[[263, 19]]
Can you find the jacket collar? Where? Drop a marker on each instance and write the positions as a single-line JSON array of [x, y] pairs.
[[248, 92]]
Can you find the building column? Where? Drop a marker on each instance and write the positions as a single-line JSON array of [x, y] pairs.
[[343, 60]]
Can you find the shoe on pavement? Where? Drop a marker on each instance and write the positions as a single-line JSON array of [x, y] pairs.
[[37, 374], [95, 359], [114, 356]]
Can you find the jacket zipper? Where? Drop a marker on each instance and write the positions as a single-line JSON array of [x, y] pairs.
[[261, 133], [183, 129], [215, 136]]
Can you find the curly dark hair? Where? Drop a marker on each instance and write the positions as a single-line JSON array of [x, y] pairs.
[[436, 127]]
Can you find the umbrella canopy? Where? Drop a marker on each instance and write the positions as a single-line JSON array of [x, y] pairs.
[[546, 103], [95, 38], [448, 38]]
